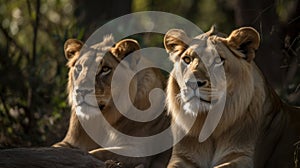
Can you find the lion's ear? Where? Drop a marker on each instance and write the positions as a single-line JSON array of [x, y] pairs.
[[72, 47], [124, 48], [175, 41], [245, 40]]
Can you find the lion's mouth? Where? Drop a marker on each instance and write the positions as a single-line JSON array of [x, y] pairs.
[[204, 95], [83, 103], [204, 99], [101, 106]]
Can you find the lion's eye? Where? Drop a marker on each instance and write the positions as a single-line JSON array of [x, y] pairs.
[[187, 59], [105, 70], [78, 68], [219, 61]]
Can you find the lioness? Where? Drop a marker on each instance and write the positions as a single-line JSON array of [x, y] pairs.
[[81, 95], [256, 128]]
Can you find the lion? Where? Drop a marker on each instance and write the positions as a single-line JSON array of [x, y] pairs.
[[255, 128], [108, 56]]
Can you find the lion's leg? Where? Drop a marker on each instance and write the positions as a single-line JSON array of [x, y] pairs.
[[130, 162], [242, 161], [62, 144], [177, 161], [161, 160], [113, 164]]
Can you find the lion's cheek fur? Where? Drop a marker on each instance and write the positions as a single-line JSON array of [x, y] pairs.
[[238, 98], [172, 92], [181, 122]]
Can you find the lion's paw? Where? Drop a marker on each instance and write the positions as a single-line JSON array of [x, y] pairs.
[[113, 164]]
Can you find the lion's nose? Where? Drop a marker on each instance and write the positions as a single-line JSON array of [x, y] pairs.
[[196, 84], [83, 92]]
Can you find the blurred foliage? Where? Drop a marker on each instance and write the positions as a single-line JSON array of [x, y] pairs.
[[196, 11], [32, 72], [33, 105]]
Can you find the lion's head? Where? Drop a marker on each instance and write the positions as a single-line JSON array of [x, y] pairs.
[[255, 128], [91, 73], [99, 75], [210, 68]]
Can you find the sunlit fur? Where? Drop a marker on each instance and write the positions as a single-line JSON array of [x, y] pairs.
[[140, 87], [253, 120]]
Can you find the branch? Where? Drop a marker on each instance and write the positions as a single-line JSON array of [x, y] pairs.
[[29, 7], [48, 158], [6, 110], [35, 31], [10, 39]]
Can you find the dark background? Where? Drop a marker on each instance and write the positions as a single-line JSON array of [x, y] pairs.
[[33, 75]]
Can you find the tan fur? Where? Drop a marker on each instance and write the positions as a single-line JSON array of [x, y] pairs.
[[140, 87], [256, 129]]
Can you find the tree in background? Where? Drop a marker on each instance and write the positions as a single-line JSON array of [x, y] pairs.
[[91, 14], [32, 73], [278, 23], [262, 16]]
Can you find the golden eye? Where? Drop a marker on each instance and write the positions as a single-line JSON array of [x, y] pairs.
[[78, 67], [105, 70], [219, 61], [187, 59]]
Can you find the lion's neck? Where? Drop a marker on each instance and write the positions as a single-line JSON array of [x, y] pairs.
[[76, 135], [147, 80], [187, 123]]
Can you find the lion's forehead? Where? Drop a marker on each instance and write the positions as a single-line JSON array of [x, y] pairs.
[[92, 62], [87, 58], [203, 49], [202, 45], [110, 60], [93, 58]]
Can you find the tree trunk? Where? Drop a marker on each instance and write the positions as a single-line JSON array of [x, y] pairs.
[[47, 158], [92, 14], [262, 16]]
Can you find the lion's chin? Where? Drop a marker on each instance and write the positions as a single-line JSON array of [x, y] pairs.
[[86, 111], [195, 106]]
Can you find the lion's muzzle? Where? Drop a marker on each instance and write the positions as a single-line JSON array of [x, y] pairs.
[[85, 96], [196, 84]]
